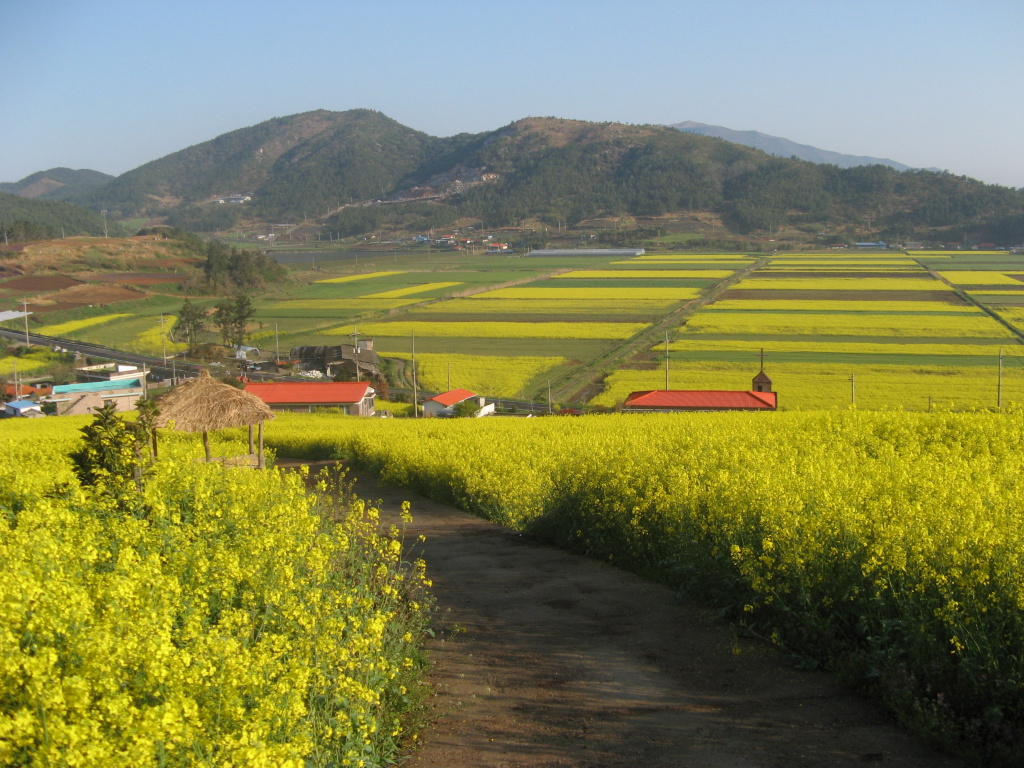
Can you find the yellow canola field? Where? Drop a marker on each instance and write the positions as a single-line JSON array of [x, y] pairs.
[[63, 329], [498, 330], [890, 544], [674, 274], [544, 306], [956, 253], [492, 376], [155, 339], [365, 304], [217, 613], [977, 325], [1010, 349], [970, 277], [688, 257], [582, 294], [758, 305], [842, 263], [364, 276], [897, 283], [410, 291]]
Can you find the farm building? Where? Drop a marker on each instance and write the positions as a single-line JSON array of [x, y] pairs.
[[329, 359], [21, 408], [759, 398], [79, 399], [356, 398], [444, 404]]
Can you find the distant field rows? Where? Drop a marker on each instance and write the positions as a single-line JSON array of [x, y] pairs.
[[500, 330], [775, 324]]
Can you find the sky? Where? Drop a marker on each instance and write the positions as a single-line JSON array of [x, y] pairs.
[[110, 85]]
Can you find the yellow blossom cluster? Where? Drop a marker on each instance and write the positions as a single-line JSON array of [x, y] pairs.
[[221, 620]]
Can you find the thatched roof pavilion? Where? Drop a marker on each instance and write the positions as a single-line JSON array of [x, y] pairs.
[[205, 404]]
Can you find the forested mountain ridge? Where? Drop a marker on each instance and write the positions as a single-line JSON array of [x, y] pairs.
[[334, 167], [23, 219], [56, 183]]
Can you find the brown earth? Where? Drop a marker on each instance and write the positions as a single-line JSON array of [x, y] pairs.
[[137, 278], [545, 659], [35, 283], [95, 294]]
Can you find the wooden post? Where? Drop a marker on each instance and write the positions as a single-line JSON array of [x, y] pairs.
[[206, 443], [260, 462], [250, 441]]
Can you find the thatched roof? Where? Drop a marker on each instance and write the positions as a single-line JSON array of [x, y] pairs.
[[205, 404]]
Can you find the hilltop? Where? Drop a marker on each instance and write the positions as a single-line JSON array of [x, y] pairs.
[[359, 171]]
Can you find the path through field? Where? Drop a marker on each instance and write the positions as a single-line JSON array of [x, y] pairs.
[[547, 659]]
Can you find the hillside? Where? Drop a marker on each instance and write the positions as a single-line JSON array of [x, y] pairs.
[[56, 183], [22, 218], [359, 171]]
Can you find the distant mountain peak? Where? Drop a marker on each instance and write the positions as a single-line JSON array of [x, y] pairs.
[[776, 145]]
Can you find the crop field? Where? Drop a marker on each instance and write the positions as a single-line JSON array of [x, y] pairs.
[[434, 288], [500, 330], [887, 545], [487, 375], [971, 278], [899, 282], [170, 625], [824, 323], [585, 294], [647, 274], [352, 278], [73, 326]]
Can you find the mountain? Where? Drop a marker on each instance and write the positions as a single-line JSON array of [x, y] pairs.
[[56, 183], [775, 145], [300, 166], [360, 171], [22, 218]]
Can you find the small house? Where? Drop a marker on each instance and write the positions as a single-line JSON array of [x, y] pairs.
[[22, 409], [444, 404], [356, 398], [124, 393]]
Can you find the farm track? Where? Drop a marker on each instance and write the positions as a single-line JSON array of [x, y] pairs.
[[968, 299], [545, 659], [572, 384]]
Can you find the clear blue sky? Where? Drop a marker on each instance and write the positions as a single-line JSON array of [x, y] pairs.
[[110, 85]]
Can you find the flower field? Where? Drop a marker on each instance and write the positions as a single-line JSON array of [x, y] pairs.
[[220, 617], [889, 546], [499, 330], [487, 375], [824, 323], [71, 326]]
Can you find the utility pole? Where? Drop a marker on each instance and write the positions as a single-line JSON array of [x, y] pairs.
[[549, 397], [449, 377], [999, 388], [24, 306], [415, 395], [355, 348], [104, 212], [666, 361], [163, 340], [853, 389], [277, 347]]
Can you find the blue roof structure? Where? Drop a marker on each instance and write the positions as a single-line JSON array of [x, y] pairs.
[[97, 386]]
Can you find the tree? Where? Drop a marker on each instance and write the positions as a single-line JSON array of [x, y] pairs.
[[191, 321], [232, 318], [466, 409], [110, 458]]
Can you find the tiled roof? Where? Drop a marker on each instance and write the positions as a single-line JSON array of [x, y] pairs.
[[97, 386], [451, 398], [702, 399], [312, 392]]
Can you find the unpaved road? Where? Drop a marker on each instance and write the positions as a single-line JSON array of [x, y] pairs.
[[546, 659]]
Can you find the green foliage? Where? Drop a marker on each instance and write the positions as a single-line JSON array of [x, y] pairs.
[[23, 219], [231, 268], [191, 322], [232, 317], [108, 460], [466, 409]]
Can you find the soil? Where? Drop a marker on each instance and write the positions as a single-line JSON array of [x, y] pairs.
[[545, 659], [96, 294], [137, 278], [32, 283]]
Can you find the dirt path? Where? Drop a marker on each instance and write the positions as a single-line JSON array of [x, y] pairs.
[[547, 659]]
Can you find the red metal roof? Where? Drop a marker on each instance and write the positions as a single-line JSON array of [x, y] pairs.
[[714, 399], [311, 392], [451, 398]]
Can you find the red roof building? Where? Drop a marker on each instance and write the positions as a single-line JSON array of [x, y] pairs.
[[760, 398], [352, 397], [700, 400], [444, 404]]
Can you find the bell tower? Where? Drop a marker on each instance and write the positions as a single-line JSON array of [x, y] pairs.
[[761, 382]]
